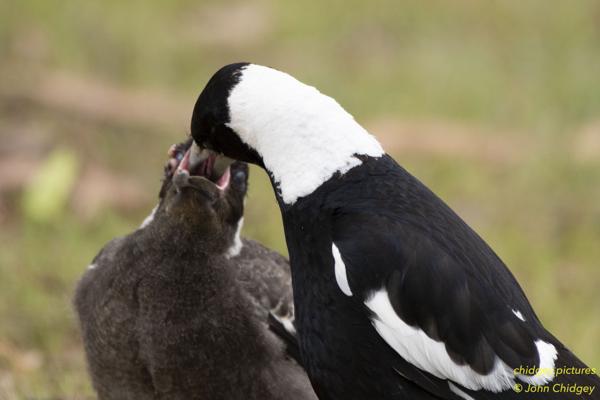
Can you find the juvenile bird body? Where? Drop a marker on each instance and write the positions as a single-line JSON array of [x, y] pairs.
[[171, 312], [396, 297]]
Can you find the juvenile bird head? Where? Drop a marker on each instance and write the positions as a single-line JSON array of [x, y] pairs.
[[202, 194]]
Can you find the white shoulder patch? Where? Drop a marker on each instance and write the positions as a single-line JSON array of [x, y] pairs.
[[303, 136], [149, 218], [236, 247], [429, 355], [340, 271], [91, 266]]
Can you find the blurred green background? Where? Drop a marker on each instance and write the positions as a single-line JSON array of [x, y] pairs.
[[493, 104]]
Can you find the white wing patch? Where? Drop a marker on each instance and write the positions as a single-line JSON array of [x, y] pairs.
[[416, 347], [236, 247], [518, 315], [303, 136], [149, 218], [340, 271], [548, 356], [288, 324], [460, 393]]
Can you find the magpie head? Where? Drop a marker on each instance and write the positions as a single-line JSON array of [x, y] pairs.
[[211, 117], [267, 117], [203, 193]]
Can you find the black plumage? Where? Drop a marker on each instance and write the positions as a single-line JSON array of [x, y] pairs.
[[438, 276], [165, 314], [418, 306]]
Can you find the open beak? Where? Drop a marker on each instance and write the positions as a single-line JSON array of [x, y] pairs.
[[206, 163], [198, 155]]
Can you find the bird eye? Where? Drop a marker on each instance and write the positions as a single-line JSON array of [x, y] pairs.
[[239, 179], [239, 176]]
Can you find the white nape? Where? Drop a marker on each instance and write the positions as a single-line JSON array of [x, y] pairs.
[[460, 393], [236, 247], [303, 136], [429, 355], [149, 218], [340, 271], [518, 315]]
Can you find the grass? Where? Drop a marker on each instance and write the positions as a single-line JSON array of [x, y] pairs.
[[522, 73]]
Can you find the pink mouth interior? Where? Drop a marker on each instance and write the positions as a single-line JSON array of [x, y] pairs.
[[223, 181], [204, 169]]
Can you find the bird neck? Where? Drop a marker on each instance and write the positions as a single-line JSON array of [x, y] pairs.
[[303, 136], [181, 235]]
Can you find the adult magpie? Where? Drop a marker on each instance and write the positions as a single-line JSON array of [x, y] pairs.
[[396, 296]]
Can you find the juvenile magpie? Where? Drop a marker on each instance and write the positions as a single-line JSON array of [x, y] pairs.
[[179, 308], [396, 296]]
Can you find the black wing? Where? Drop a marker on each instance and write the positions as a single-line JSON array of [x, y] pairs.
[[449, 286], [265, 276]]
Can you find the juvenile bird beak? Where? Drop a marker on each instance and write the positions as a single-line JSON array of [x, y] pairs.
[[218, 162], [221, 164]]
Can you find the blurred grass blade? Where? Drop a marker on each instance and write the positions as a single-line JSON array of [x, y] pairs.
[[47, 195]]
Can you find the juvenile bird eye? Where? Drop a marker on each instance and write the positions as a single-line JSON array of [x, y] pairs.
[[239, 176]]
